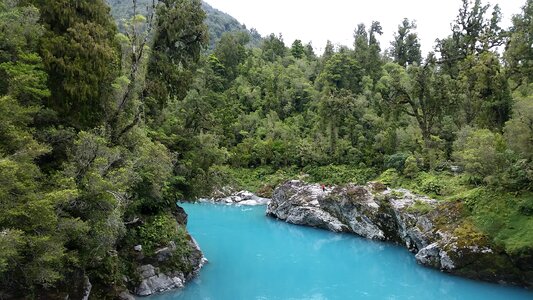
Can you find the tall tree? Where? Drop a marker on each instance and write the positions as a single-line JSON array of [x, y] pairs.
[[519, 53], [361, 44], [406, 46], [273, 47], [231, 52], [33, 252], [180, 35], [328, 51], [310, 51], [367, 50], [297, 49], [488, 98], [472, 33], [81, 57], [342, 71], [422, 92]]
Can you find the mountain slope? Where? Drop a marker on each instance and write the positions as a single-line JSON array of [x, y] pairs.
[[220, 22], [217, 21]]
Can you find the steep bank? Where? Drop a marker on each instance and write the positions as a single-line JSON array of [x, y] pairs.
[[163, 268], [435, 231]]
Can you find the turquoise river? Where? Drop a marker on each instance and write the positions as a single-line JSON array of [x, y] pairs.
[[252, 256]]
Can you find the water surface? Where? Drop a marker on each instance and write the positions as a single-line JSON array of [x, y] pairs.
[[255, 257]]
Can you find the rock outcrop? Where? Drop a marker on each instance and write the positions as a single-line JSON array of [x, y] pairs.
[[434, 231], [240, 198], [154, 281], [157, 273]]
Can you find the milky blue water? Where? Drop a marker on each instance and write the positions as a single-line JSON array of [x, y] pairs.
[[252, 256]]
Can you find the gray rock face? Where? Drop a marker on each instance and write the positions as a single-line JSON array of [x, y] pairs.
[[152, 281], [315, 217], [126, 296], [87, 288], [332, 209], [375, 212]]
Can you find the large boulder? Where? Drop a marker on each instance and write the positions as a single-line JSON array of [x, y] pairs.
[[433, 230]]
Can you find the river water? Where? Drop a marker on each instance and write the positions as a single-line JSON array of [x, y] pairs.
[[252, 256]]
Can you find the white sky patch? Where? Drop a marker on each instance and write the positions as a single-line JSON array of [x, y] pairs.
[[317, 21]]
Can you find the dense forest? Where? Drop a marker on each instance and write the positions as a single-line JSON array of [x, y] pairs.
[[104, 123]]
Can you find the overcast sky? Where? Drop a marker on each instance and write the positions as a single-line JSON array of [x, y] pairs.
[[320, 20]]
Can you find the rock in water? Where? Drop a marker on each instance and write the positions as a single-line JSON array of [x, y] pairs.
[[432, 230]]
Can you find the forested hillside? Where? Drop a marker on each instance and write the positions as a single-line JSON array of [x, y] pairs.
[[455, 124], [217, 22], [81, 179], [102, 130], [286, 107]]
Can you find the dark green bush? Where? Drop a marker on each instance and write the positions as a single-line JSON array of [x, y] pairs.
[[396, 161]]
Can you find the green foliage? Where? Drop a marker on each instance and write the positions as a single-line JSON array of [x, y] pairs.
[[80, 57], [487, 103], [297, 49], [273, 47], [518, 131], [99, 128], [158, 232], [396, 161], [430, 184], [339, 174], [420, 207], [501, 216], [65, 193], [390, 177], [519, 54], [179, 37], [410, 169], [341, 71], [480, 152], [11, 243], [406, 46], [231, 52], [473, 32]]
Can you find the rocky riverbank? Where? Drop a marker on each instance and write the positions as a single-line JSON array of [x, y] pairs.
[[245, 198], [165, 268], [436, 232]]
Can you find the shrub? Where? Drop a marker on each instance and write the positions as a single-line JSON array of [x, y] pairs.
[[396, 161], [481, 152], [420, 207], [411, 169], [339, 174], [430, 184], [390, 177], [158, 231]]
